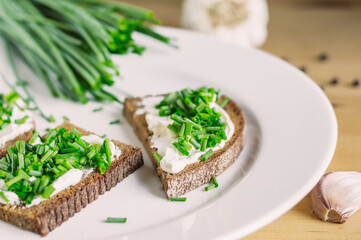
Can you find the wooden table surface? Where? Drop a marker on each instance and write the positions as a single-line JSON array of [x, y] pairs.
[[300, 31]]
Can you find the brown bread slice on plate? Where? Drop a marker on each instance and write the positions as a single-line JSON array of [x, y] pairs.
[[51, 213], [196, 174], [25, 136]]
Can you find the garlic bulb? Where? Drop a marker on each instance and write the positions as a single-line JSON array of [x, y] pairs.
[[243, 22], [337, 196]]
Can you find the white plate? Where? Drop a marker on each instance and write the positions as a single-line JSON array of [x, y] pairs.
[[291, 137]]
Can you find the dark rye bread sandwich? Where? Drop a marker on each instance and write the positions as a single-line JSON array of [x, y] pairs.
[[51, 213], [196, 174], [24, 136]]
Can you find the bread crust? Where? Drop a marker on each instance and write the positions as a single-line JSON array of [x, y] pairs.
[[196, 174], [51, 213]]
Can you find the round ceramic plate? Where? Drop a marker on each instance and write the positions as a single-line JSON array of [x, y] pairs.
[[291, 136]]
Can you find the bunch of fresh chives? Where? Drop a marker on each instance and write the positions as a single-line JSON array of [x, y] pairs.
[[68, 44]]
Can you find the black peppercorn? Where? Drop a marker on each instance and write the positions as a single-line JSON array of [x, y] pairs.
[[356, 82], [323, 56], [334, 81], [303, 68]]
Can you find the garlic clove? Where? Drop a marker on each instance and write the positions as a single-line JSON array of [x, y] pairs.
[[243, 22], [337, 196]]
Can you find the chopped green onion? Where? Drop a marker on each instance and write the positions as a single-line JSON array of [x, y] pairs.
[[34, 137], [157, 157], [47, 155], [43, 183], [104, 136], [66, 118], [214, 180], [182, 129], [180, 199], [23, 174], [210, 187], [21, 120], [13, 180], [225, 101], [207, 155], [204, 144], [76, 132], [188, 129], [51, 119], [173, 129], [114, 122], [49, 160], [35, 173], [20, 145], [177, 118], [36, 185], [214, 184], [116, 220], [213, 128], [195, 144], [108, 152], [98, 109], [181, 149], [29, 199], [2, 195], [48, 191]]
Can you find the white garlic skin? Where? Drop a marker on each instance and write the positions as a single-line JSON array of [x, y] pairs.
[[337, 196], [250, 32]]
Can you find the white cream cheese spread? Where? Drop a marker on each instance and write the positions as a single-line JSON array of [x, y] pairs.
[[173, 161], [11, 196], [13, 130]]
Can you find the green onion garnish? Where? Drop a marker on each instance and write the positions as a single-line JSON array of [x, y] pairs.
[[180, 199], [48, 191], [108, 152], [195, 123], [204, 143], [66, 118], [51, 119], [116, 220], [115, 122], [104, 136], [207, 155], [47, 161], [181, 149], [214, 184], [98, 109], [13, 180], [157, 157], [21, 120], [210, 187], [29, 198], [2, 195], [214, 180], [35, 136], [225, 101]]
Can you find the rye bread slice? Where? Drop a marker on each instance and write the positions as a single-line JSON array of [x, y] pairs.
[[25, 136], [51, 213], [196, 174]]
